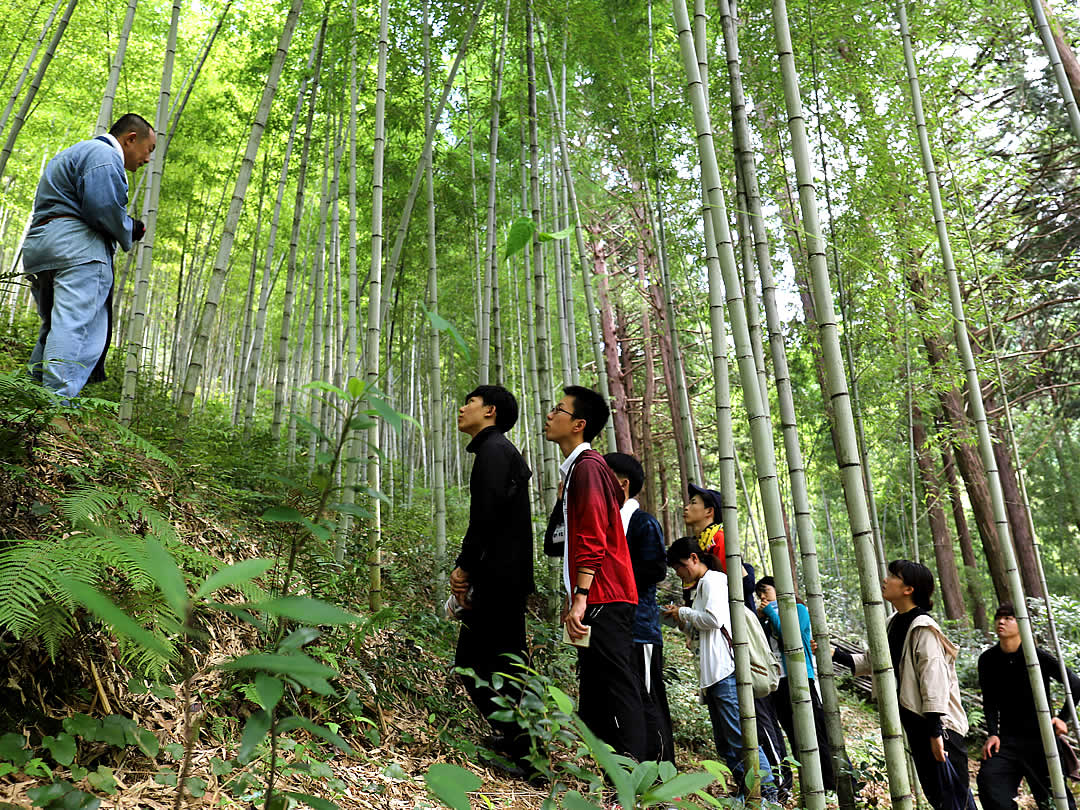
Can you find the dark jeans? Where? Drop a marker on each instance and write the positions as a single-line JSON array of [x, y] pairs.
[[999, 777], [785, 714], [610, 691], [649, 662], [722, 700], [488, 633], [771, 739], [942, 792]]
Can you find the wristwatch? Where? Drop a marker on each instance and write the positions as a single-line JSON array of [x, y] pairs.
[[582, 591]]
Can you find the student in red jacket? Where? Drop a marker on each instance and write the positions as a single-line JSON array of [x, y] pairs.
[[597, 575]]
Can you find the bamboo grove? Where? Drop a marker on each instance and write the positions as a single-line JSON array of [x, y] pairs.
[[823, 239]]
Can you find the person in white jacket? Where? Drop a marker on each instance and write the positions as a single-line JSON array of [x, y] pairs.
[[708, 623]]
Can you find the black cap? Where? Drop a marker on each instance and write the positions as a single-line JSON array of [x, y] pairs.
[[710, 497]]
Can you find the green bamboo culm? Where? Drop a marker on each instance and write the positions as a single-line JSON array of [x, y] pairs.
[[978, 415], [1047, 37], [745, 162], [846, 441], [813, 793]]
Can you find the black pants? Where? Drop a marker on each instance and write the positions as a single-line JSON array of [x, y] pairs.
[[1018, 758], [941, 792], [771, 740], [610, 692], [659, 745], [488, 632], [782, 703]]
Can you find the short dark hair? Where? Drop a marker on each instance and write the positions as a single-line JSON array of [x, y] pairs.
[[918, 577], [625, 465], [131, 122], [592, 407], [763, 582], [1005, 609], [681, 550], [506, 407]]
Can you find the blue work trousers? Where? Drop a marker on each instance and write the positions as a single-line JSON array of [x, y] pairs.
[[74, 325]]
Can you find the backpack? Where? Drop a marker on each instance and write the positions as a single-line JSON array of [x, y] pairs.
[[764, 668]]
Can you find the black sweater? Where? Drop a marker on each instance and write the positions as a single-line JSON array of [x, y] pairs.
[[1007, 699], [496, 551]]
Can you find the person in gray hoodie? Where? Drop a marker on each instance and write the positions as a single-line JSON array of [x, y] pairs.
[[924, 660]]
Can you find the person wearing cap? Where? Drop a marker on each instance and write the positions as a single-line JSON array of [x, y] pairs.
[[598, 576], [1013, 750], [648, 556], [702, 517]]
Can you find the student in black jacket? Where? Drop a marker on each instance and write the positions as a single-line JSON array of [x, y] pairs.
[[1014, 749], [493, 575]]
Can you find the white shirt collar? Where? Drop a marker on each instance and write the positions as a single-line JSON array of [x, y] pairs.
[[114, 143], [568, 462], [627, 510]]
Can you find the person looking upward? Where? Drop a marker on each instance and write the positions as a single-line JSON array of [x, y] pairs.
[[597, 575]]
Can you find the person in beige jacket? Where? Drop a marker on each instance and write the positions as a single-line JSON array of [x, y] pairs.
[[924, 661]]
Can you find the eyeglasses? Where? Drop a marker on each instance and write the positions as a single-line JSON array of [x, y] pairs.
[[561, 409]]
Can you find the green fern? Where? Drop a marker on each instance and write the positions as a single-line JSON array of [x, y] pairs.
[[129, 438]]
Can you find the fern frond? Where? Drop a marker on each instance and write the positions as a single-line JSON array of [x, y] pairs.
[[136, 507], [55, 626], [26, 580], [131, 439], [87, 506]]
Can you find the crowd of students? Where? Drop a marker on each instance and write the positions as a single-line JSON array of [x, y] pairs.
[[613, 557]]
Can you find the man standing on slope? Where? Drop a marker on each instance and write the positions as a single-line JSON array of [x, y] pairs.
[[1013, 749], [493, 575], [79, 218], [648, 555], [597, 575]]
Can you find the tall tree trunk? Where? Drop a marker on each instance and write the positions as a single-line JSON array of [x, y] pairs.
[[721, 255], [35, 83], [944, 555], [439, 467], [848, 456], [603, 384], [150, 211], [978, 412], [539, 312], [371, 346], [221, 263], [105, 116], [249, 300], [26, 67], [754, 223], [425, 156], [294, 238], [963, 535], [619, 413]]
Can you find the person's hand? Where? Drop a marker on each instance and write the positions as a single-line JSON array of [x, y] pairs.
[[672, 612], [459, 584], [138, 230], [937, 748], [559, 490], [813, 645], [762, 603], [991, 746], [574, 621], [1060, 729]]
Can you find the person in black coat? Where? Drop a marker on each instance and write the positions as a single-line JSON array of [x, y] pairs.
[[493, 574], [1013, 750]]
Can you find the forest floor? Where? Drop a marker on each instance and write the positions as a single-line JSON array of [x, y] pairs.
[[397, 703]]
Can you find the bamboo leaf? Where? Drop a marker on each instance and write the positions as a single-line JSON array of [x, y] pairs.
[[298, 664], [98, 604], [161, 566], [521, 232], [269, 690], [440, 324], [306, 610], [312, 801], [452, 784], [255, 731], [289, 723], [682, 785], [235, 574], [548, 237]]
